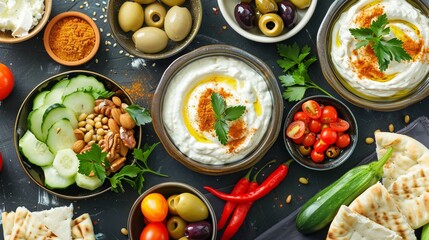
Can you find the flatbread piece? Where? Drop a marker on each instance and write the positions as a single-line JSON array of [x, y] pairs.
[[82, 228], [348, 225], [377, 204], [407, 153]]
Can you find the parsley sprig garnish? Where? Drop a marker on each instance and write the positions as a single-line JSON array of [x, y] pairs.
[[223, 114], [295, 63], [94, 160], [375, 36]]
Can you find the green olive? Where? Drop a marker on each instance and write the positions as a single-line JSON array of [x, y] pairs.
[[130, 16], [190, 207], [333, 152], [305, 151], [266, 6], [154, 15], [176, 227], [301, 4], [246, 1], [172, 3], [178, 23], [150, 39], [183, 238], [171, 207], [145, 1], [271, 24]]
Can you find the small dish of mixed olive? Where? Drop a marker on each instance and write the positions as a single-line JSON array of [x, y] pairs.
[[172, 210], [154, 29], [320, 132], [267, 20]]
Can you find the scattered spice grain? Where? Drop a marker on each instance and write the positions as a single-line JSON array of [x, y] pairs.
[[303, 180], [391, 128], [369, 140], [289, 199], [407, 119]]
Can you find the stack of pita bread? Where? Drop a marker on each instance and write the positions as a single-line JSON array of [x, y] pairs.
[[398, 206], [53, 224]]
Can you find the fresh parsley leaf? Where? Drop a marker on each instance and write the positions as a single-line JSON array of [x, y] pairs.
[[93, 161], [140, 115], [294, 93], [134, 174], [295, 63], [218, 104], [223, 114], [221, 129], [233, 113], [97, 94], [385, 50]]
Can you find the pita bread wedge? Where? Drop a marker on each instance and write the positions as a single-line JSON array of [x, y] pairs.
[[7, 223], [411, 194], [407, 153], [57, 219], [26, 226], [82, 228], [377, 204], [348, 225]]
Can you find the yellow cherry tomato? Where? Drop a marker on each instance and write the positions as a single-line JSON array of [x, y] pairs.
[[154, 207]]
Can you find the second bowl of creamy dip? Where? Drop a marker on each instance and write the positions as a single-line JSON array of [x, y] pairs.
[[355, 71], [217, 139]]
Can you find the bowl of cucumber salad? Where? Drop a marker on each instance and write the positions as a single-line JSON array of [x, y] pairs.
[[64, 118]]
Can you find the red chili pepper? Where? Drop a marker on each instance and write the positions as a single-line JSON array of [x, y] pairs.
[[242, 209], [267, 186], [239, 188]]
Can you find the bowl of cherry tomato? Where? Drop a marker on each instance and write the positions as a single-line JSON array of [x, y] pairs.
[[172, 210], [320, 132]]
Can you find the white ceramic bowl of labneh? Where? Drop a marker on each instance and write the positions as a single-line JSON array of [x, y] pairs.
[[217, 109]]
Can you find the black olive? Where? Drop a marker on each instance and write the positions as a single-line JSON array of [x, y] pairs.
[[245, 15]]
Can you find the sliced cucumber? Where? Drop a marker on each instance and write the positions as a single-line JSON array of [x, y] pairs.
[[83, 82], [39, 99], [35, 119], [35, 151], [53, 114], [56, 93], [55, 180], [79, 102], [60, 136], [66, 163], [86, 182]]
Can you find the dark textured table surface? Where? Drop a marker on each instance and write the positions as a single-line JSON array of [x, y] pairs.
[[31, 65]]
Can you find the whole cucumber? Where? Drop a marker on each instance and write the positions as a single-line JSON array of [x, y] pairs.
[[321, 209]]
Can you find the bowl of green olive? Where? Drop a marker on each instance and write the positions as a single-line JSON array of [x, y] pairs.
[[154, 29], [320, 132], [267, 21], [172, 210]]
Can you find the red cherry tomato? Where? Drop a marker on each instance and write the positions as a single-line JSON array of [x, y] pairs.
[[312, 109], [154, 207], [320, 146], [328, 135], [340, 125], [1, 162], [315, 126], [343, 140], [296, 129], [329, 114], [317, 156], [301, 116], [6, 81], [299, 140], [154, 231], [309, 140]]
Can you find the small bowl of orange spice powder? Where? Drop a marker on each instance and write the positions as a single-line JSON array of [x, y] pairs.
[[71, 38]]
